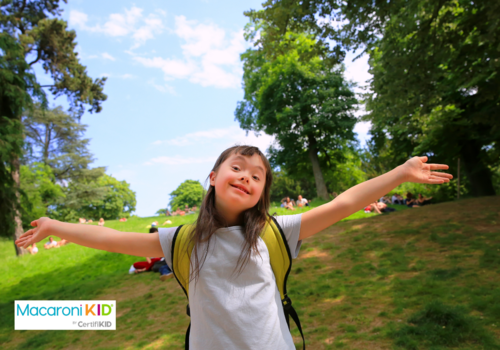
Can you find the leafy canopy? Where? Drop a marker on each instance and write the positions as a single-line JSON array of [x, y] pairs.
[[189, 193]]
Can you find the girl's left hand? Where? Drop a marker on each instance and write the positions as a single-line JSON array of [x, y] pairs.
[[417, 170]]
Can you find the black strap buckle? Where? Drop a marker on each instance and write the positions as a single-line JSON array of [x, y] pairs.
[[287, 303]]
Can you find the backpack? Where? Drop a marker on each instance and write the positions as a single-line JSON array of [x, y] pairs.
[[279, 254], [157, 265]]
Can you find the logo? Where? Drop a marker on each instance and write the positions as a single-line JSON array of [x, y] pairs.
[[65, 314]]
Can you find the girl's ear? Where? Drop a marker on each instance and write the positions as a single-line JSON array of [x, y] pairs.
[[212, 178]]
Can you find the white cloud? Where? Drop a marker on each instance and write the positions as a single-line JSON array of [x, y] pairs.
[[165, 88], [209, 57], [107, 56], [229, 137], [131, 22]]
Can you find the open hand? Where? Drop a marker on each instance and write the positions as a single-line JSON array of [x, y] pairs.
[[36, 234], [417, 170]]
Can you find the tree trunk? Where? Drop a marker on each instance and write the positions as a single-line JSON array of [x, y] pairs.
[[321, 190], [477, 172], [17, 215]]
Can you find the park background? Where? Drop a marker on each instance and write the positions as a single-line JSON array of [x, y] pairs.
[[119, 110]]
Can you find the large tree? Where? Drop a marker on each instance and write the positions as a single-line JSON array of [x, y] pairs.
[[32, 32], [292, 94], [435, 65]]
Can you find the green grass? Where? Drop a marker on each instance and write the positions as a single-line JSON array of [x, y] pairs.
[[380, 282]]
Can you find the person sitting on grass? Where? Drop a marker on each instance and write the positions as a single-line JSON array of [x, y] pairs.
[[32, 249], [101, 222], [423, 201], [234, 301], [289, 204], [411, 202], [379, 208], [143, 266], [50, 244], [302, 202]]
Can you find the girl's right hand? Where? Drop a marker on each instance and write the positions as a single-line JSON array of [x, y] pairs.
[[36, 234]]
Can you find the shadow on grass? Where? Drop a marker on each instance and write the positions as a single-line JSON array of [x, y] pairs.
[[442, 325]]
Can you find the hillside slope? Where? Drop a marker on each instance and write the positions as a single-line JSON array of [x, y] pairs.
[[425, 278]]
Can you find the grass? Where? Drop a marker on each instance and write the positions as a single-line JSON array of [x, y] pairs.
[[380, 282]]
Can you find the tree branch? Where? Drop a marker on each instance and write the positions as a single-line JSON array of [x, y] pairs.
[[39, 55]]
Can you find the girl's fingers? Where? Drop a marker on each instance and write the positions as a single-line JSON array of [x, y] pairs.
[[34, 223], [424, 159], [438, 166], [448, 176], [27, 233]]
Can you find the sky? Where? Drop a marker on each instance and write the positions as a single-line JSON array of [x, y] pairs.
[[174, 79]]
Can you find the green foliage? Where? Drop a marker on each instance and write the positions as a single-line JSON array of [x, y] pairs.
[[284, 186], [107, 198], [41, 191], [307, 106], [31, 29], [56, 138], [14, 81], [161, 211], [435, 87], [189, 192]]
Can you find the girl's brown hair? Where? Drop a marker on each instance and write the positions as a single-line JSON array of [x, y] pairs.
[[209, 220]]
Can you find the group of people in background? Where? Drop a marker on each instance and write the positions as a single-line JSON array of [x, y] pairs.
[[410, 201], [33, 249], [182, 212], [100, 223], [290, 204]]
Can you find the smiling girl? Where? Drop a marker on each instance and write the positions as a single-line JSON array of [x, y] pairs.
[[233, 296]]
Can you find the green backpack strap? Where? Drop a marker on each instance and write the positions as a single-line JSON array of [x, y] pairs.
[[281, 263], [182, 247]]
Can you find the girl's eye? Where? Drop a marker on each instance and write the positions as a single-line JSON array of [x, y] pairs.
[[256, 178], [236, 168]]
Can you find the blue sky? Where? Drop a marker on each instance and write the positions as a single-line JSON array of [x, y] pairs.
[[174, 78]]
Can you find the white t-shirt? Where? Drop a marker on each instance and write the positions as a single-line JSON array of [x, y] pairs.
[[302, 201], [231, 311]]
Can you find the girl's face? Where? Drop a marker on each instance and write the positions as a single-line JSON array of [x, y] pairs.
[[238, 183]]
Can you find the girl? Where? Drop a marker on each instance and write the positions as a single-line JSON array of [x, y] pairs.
[[233, 297]]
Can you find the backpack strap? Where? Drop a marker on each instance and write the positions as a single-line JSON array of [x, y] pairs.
[[182, 247], [281, 263], [279, 254]]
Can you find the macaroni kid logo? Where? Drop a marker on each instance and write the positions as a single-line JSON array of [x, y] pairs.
[[65, 314]]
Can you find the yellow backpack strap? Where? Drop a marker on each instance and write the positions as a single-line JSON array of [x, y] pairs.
[[281, 263], [182, 247]]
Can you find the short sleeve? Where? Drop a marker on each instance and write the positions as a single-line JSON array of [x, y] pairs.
[[290, 224], [166, 236]]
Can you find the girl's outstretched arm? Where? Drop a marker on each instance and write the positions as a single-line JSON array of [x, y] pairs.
[[414, 170], [96, 237]]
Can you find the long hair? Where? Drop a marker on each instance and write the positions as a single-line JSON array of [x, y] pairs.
[[209, 220]]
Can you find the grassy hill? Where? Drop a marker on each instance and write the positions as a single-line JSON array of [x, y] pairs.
[[422, 278]]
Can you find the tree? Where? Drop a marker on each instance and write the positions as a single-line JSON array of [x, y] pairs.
[[435, 64], [119, 200], [32, 33], [307, 106], [189, 193], [40, 191], [53, 137], [105, 198]]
